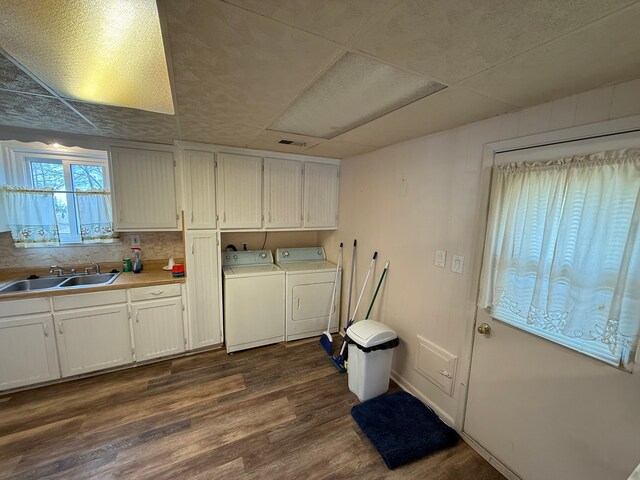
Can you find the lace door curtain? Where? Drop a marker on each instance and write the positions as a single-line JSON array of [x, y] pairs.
[[30, 216], [562, 254], [96, 218]]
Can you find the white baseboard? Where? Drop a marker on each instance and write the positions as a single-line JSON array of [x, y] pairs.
[[402, 382], [493, 461]]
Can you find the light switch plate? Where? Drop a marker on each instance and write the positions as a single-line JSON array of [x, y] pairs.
[[135, 240], [457, 265], [441, 258]]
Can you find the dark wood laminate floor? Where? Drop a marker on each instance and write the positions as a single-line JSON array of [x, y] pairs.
[[280, 412]]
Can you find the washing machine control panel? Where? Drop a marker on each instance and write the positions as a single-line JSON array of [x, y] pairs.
[[313, 254], [251, 257]]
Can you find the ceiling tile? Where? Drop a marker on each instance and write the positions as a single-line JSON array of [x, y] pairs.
[[339, 149], [231, 65], [604, 52], [451, 41], [129, 123], [445, 109], [218, 133], [13, 78], [44, 113], [268, 140], [333, 19]]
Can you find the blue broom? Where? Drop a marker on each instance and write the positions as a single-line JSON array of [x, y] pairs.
[[326, 340]]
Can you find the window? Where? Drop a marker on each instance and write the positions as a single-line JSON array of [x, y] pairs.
[[58, 196], [562, 256]]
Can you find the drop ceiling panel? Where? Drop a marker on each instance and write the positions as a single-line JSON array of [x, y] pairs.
[[333, 19], [604, 52], [236, 66], [339, 149], [219, 133], [453, 40], [445, 109], [268, 140], [39, 112], [13, 78], [129, 123]]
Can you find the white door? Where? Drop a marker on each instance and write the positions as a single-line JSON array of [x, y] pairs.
[[320, 195], [239, 191], [144, 189], [543, 410], [282, 193], [203, 288], [93, 339], [27, 351], [157, 328], [200, 189]]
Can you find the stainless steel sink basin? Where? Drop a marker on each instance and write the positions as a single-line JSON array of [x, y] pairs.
[[87, 280], [35, 284], [57, 283]]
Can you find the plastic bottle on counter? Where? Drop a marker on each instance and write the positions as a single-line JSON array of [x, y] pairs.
[[137, 259]]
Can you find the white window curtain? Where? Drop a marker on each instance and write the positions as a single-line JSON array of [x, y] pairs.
[[30, 217], [562, 255], [96, 219]]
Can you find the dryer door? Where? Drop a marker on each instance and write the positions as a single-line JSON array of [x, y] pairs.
[[311, 300]]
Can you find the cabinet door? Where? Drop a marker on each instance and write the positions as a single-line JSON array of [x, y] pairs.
[[157, 328], [144, 189], [27, 351], [203, 289], [93, 339], [239, 191], [320, 195], [282, 193], [200, 189]]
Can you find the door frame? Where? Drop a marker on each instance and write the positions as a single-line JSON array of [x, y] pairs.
[[571, 134]]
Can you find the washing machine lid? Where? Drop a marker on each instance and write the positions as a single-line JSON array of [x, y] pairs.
[[308, 267], [241, 271]]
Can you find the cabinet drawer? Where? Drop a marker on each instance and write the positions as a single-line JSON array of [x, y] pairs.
[[157, 291], [12, 308], [83, 300]]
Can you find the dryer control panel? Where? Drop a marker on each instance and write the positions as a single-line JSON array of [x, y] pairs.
[[307, 254], [251, 257]]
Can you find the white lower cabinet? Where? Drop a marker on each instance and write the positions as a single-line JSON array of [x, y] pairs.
[[157, 328], [93, 339], [27, 351]]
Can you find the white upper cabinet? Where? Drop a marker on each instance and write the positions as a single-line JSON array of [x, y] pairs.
[[239, 191], [282, 193], [320, 195], [144, 189], [200, 182]]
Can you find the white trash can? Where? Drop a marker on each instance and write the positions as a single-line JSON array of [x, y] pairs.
[[369, 356]]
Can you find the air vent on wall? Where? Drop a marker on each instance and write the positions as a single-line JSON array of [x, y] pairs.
[[284, 141]]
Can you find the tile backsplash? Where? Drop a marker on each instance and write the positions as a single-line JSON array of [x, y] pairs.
[[155, 245]]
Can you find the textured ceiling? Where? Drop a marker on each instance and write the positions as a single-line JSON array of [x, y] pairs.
[[237, 65]]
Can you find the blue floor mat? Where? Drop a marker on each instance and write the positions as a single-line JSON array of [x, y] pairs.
[[402, 428]]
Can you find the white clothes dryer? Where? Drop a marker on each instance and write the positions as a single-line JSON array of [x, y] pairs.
[[309, 285], [253, 299]]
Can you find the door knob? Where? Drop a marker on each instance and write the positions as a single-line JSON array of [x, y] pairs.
[[484, 329]]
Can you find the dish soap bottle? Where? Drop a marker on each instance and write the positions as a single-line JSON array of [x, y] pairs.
[[137, 259]]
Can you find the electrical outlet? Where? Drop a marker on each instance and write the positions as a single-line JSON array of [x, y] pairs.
[[135, 240], [441, 258], [457, 265]]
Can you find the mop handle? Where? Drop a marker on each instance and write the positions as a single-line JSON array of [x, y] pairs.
[[353, 270], [335, 283], [366, 279], [375, 294]]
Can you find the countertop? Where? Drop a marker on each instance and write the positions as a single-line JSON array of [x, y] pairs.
[[152, 274]]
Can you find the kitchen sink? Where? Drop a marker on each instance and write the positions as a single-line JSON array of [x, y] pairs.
[[57, 283], [88, 280]]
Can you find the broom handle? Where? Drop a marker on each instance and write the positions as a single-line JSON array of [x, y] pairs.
[[353, 269], [375, 294], [366, 279], [335, 283]]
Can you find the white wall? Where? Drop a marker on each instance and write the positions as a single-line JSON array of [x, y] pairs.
[[410, 199]]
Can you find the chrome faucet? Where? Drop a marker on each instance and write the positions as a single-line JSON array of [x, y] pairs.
[[95, 266], [56, 269]]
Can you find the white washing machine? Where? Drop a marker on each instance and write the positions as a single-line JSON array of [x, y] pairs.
[[309, 285], [253, 299]]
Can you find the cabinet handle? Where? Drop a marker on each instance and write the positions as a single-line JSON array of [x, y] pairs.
[[60, 327], [298, 303], [137, 318], [45, 326], [269, 217], [157, 293], [191, 216], [193, 247]]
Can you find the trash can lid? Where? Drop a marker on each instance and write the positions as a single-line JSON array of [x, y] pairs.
[[368, 333]]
